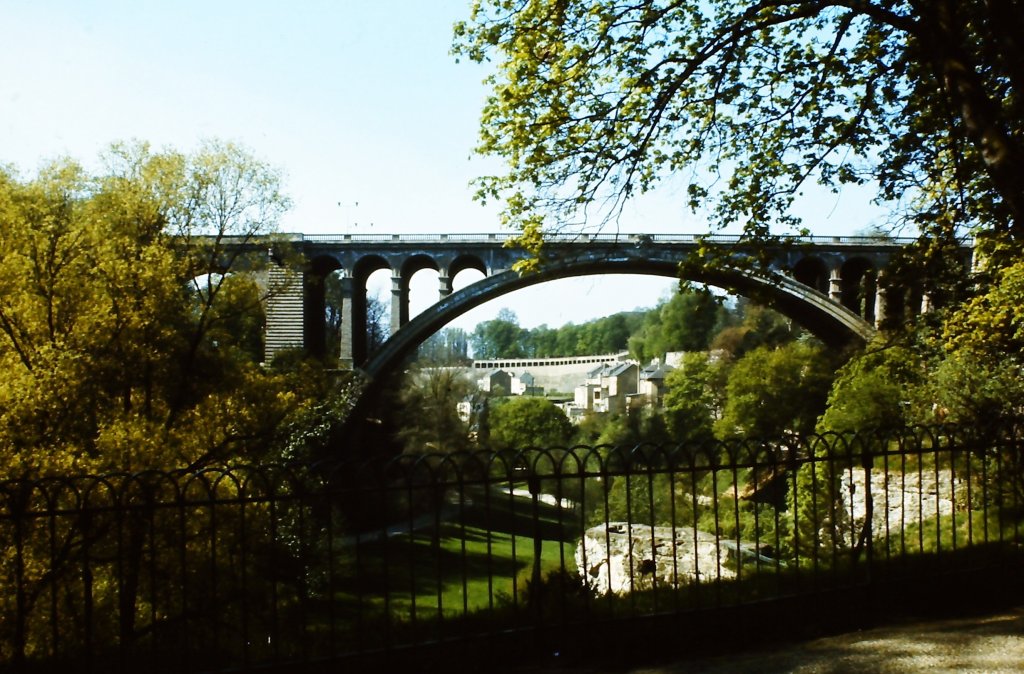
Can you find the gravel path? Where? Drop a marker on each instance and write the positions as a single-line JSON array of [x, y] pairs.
[[993, 643]]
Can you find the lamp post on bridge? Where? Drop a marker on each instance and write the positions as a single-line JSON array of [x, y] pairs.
[[346, 207]]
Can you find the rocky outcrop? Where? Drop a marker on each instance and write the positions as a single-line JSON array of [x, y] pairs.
[[898, 499], [621, 557]]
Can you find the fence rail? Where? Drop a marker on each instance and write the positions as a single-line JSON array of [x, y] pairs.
[[241, 566]]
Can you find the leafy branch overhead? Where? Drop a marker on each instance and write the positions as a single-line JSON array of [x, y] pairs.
[[595, 101]]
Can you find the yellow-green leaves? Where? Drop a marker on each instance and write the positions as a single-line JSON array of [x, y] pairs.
[[991, 325], [598, 100], [130, 316]]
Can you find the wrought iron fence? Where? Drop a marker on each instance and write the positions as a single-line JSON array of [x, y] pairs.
[[242, 566]]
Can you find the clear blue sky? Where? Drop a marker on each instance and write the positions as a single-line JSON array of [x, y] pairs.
[[356, 102]]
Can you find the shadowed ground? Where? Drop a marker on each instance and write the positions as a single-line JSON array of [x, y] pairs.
[[989, 643], [984, 644]]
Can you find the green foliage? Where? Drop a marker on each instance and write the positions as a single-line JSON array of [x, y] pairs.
[[324, 400], [748, 522], [130, 340], [708, 501], [972, 390], [772, 392], [498, 338], [427, 410], [593, 102], [641, 498], [875, 389], [632, 428], [753, 326], [520, 422], [686, 322], [503, 338], [603, 335], [694, 319], [449, 346], [819, 522], [591, 426], [991, 324], [377, 318], [695, 397]]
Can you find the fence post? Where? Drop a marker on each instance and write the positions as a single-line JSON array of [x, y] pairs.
[[17, 504], [535, 579], [867, 461]]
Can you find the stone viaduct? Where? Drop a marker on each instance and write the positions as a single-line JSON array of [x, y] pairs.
[[830, 285]]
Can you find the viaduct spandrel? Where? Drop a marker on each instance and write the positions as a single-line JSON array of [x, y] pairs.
[[830, 285]]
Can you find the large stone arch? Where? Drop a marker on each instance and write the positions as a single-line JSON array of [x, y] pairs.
[[834, 324]]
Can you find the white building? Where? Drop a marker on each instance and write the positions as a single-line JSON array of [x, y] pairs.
[[652, 382], [608, 386], [525, 385]]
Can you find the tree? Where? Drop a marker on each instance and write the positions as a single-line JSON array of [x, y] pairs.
[[377, 328], [694, 397], [428, 404], [756, 326], [377, 315], [686, 322], [522, 422], [874, 390], [771, 392], [624, 429], [449, 346], [609, 334], [976, 377], [593, 102], [128, 337], [978, 381], [332, 314], [130, 316], [878, 390], [498, 338]]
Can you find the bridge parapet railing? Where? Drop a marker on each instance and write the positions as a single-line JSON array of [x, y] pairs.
[[603, 237]]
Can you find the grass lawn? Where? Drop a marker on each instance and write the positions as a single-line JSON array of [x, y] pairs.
[[478, 556]]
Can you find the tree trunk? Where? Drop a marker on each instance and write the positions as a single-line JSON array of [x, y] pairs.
[[941, 36]]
